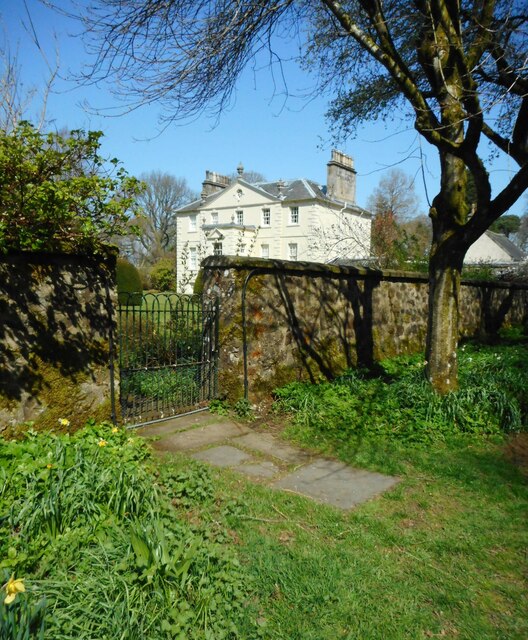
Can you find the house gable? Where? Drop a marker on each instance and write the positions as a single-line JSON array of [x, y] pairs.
[[493, 248]]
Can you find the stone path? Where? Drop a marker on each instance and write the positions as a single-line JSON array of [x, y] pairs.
[[262, 457]]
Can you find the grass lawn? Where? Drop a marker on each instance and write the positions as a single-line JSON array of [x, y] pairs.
[[442, 555], [112, 543]]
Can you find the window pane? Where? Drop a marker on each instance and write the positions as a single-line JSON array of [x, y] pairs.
[[266, 217], [294, 215], [264, 250], [193, 259], [192, 223], [240, 217]]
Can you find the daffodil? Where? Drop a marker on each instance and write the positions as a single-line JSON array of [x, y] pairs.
[[102, 443], [13, 588], [115, 429], [64, 422]]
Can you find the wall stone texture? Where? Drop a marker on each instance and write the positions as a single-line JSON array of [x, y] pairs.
[[56, 329], [309, 321]]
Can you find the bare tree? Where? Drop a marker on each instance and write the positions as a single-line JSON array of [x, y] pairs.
[[250, 176], [457, 68], [392, 202], [395, 193], [346, 237], [163, 194], [17, 101]]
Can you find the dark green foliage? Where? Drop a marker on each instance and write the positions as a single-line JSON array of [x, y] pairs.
[[400, 404], [506, 224], [164, 384], [163, 275], [129, 286], [481, 272], [102, 550], [198, 283], [243, 409]]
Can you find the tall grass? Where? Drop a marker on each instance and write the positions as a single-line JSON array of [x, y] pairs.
[[92, 529], [400, 404]]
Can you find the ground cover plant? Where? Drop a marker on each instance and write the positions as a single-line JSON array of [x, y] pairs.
[[443, 555], [396, 403], [94, 544]]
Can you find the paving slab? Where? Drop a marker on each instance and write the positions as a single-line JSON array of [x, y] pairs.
[[335, 483], [267, 444], [222, 456], [264, 469], [200, 436], [178, 423]]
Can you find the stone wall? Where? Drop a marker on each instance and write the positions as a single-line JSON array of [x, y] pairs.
[[56, 335], [311, 321]]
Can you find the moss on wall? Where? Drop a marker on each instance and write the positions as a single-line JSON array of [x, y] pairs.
[[54, 339], [307, 320]]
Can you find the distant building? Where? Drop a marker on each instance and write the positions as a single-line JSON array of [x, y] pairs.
[[494, 249], [281, 220]]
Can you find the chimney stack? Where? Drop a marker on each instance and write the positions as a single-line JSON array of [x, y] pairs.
[[341, 178], [213, 183]]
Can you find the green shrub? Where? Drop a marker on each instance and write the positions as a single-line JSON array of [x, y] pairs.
[[198, 284], [128, 280], [163, 275], [54, 195]]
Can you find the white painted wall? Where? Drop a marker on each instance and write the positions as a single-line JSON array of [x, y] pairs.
[[486, 251], [281, 236]]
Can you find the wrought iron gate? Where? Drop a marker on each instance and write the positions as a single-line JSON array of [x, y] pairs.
[[167, 354]]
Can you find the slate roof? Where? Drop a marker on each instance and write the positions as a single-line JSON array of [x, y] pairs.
[[296, 190], [516, 254]]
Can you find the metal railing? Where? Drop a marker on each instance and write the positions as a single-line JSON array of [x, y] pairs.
[[167, 354]]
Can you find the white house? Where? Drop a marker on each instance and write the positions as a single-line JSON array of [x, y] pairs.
[[288, 219], [493, 249]]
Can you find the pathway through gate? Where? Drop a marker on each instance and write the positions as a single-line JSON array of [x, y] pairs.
[[167, 355]]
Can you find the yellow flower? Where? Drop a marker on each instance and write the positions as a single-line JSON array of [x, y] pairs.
[[49, 466], [102, 443], [64, 422], [13, 588], [115, 430]]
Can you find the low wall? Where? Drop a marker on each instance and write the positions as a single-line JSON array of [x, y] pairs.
[[299, 320], [56, 335]]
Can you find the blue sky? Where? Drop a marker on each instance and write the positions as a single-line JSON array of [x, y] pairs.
[[281, 139]]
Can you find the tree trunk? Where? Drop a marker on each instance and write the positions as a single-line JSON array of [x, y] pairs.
[[442, 326]]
